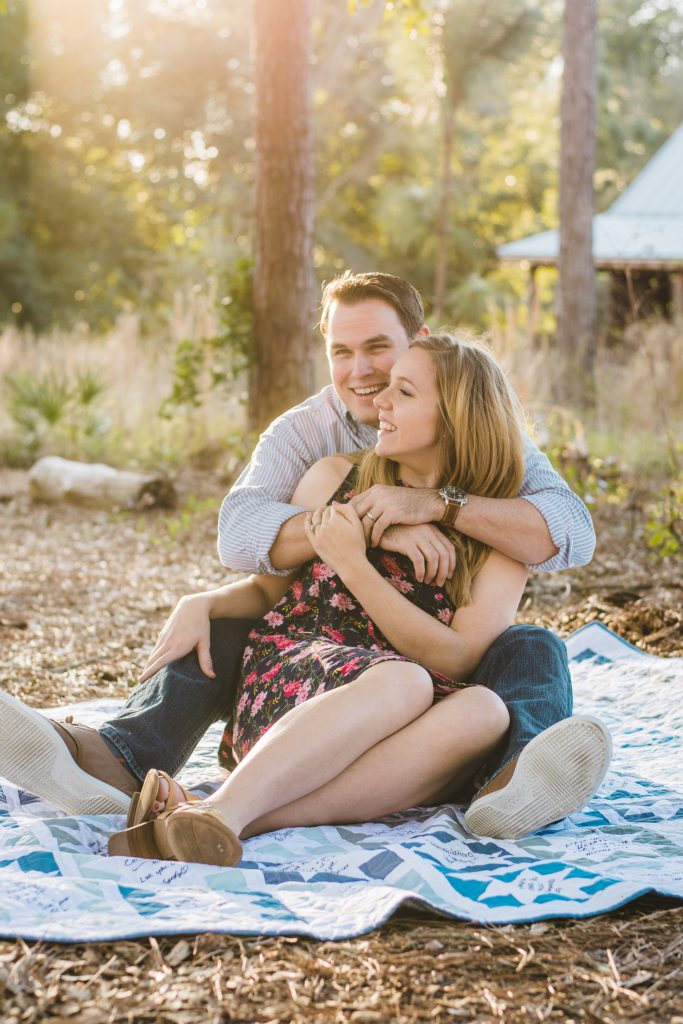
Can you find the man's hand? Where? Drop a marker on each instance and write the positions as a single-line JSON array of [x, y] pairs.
[[187, 628], [430, 551], [382, 506]]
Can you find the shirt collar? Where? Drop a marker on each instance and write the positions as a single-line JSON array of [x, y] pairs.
[[358, 429]]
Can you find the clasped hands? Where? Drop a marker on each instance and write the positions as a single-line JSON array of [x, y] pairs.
[[339, 534], [396, 519]]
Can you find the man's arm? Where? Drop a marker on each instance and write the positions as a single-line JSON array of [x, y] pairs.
[[258, 505], [547, 526], [565, 516], [291, 546], [510, 525], [429, 550]]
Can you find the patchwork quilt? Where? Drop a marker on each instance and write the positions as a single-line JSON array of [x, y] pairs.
[[57, 882]]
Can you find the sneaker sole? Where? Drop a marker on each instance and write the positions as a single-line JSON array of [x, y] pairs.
[[557, 773], [33, 757]]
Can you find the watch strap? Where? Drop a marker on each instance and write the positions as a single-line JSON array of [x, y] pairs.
[[451, 514], [453, 498]]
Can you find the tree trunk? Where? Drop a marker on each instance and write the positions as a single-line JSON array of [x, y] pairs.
[[282, 369], [577, 307], [443, 225]]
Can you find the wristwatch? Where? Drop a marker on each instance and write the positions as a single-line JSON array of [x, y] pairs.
[[453, 498]]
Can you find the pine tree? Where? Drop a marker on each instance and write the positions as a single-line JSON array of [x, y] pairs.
[[577, 306], [282, 367]]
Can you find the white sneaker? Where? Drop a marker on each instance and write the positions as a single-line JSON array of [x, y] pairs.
[[34, 757], [556, 774]]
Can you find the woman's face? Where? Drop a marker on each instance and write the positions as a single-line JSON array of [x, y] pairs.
[[409, 419]]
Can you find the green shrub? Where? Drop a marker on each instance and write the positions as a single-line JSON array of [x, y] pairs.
[[664, 529], [202, 365], [51, 411]]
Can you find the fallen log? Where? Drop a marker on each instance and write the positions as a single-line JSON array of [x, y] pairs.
[[53, 479]]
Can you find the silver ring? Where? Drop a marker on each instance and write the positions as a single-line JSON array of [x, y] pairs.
[[370, 516]]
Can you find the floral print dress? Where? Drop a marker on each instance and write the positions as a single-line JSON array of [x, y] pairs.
[[318, 637]]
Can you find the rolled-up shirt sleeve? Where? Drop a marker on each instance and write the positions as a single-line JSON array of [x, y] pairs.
[[568, 520], [257, 506]]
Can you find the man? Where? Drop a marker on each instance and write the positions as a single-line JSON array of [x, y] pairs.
[[552, 764]]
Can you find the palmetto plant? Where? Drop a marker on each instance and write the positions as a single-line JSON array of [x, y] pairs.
[[48, 404]]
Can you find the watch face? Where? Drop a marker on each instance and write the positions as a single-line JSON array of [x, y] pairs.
[[453, 494]]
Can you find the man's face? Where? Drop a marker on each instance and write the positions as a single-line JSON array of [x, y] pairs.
[[363, 342]]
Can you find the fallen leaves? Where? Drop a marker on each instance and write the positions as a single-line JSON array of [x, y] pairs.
[[83, 594]]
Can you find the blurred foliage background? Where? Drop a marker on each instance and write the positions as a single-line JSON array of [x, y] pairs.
[[126, 165], [127, 157]]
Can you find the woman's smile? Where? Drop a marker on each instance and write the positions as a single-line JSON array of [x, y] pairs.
[[409, 417]]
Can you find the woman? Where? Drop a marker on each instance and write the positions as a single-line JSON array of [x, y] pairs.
[[352, 702]]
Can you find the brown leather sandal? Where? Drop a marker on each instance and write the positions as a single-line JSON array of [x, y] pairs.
[[141, 809], [199, 834], [190, 833]]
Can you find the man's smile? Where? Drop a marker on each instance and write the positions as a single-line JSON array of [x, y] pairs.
[[367, 390]]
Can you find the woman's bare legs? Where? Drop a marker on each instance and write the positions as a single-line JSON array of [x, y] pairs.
[[314, 742], [423, 763]]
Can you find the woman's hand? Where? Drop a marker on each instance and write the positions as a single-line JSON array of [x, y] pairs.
[[337, 536], [188, 628]]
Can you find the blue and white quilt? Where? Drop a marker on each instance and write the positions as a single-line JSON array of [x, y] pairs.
[[57, 883]]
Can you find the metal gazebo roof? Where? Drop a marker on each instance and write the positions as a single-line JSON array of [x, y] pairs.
[[642, 228]]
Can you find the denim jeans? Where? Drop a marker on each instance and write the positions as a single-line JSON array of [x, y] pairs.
[[528, 668], [165, 717]]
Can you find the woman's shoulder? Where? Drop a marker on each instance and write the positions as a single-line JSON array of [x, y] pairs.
[[322, 480], [339, 464], [334, 469]]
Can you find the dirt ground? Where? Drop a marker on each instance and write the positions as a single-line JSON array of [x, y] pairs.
[[83, 594]]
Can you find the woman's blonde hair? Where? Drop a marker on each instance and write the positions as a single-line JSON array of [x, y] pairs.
[[481, 448]]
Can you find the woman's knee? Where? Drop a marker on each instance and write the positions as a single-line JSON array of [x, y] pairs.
[[409, 684], [414, 687], [489, 709]]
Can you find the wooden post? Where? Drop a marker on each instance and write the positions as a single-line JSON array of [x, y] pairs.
[[677, 296], [632, 297], [532, 306]]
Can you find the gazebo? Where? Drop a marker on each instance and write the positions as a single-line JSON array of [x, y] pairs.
[[639, 240]]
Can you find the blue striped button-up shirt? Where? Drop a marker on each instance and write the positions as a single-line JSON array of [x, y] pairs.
[[258, 504]]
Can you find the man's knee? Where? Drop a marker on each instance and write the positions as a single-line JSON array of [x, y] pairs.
[[527, 654], [537, 641]]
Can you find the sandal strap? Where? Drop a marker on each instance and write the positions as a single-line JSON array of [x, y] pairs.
[[177, 794]]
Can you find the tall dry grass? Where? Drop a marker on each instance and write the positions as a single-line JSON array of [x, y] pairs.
[[637, 416], [637, 413], [136, 373]]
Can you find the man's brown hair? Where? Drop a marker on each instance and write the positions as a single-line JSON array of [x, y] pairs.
[[351, 288]]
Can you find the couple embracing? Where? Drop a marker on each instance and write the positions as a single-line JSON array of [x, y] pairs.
[[370, 662]]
